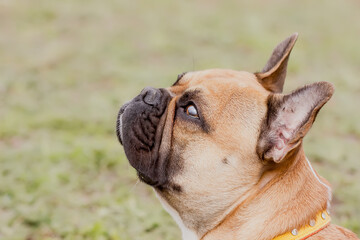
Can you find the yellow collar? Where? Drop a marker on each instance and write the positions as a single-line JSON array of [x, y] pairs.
[[320, 222]]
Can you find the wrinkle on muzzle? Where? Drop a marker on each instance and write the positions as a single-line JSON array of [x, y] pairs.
[[146, 133]]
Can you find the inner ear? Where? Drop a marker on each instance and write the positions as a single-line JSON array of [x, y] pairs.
[[272, 77], [289, 118]]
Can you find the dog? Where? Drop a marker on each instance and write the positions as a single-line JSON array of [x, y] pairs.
[[223, 151]]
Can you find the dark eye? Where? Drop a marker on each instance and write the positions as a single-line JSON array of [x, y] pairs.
[[192, 111]]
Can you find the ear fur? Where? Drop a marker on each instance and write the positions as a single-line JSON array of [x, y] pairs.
[[273, 75], [289, 118]]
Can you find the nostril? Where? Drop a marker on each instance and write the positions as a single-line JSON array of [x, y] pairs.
[[151, 96]]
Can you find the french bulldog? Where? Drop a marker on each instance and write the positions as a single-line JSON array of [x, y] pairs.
[[223, 151]]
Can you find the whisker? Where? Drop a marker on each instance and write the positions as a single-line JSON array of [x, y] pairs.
[[134, 186]]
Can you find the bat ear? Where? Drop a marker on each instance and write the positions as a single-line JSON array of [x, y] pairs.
[[289, 118], [273, 75]]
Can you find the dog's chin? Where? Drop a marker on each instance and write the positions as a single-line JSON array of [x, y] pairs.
[[148, 180]]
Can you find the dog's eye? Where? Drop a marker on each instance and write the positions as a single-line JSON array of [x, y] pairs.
[[191, 111]]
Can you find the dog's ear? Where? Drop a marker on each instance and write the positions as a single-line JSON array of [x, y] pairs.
[[273, 75], [289, 118]]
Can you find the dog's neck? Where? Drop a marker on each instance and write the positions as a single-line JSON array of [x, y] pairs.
[[286, 197]]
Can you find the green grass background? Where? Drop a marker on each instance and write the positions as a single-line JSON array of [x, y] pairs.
[[67, 66]]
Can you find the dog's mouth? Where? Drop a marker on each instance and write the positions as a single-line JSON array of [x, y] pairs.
[[119, 128], [119, 131], [139, 128]]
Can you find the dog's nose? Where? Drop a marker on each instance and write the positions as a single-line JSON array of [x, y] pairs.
[[151, 96]]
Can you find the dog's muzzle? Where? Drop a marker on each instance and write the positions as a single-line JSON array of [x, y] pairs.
[[149, 96], [139, 130]]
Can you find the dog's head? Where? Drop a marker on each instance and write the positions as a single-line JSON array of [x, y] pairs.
[[207, 139]]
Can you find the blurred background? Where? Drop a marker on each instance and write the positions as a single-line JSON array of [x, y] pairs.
[[67, 66]]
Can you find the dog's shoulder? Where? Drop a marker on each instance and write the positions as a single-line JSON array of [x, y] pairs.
[[334, 232]]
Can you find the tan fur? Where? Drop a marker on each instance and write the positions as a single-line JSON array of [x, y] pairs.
[[226, 191], [237, 170], [240, 100]]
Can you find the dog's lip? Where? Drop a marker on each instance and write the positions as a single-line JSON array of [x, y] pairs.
[[119, 131], [119, 128]]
